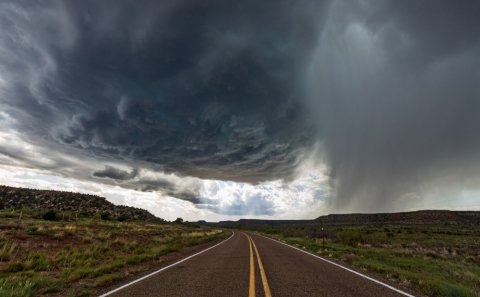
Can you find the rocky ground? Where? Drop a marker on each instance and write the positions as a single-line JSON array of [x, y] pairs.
[[83, 204]]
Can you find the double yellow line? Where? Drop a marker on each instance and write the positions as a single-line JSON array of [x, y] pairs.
[[266, 287]]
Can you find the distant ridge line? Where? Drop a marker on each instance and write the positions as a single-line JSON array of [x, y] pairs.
[[429, 217]]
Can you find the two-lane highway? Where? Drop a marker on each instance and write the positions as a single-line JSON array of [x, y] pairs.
[[263, 275], [252, 265]]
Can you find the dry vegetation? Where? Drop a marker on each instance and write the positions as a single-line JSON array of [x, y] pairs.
[[74, 258]]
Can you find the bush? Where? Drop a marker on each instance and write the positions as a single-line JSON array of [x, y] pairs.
[[50, 215], [15, 267], [105, 216]]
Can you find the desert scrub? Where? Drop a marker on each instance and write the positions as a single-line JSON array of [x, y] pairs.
[[434, 260], [38, 257]]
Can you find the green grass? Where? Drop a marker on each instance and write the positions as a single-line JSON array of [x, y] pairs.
[[38, 257], [434, 260]]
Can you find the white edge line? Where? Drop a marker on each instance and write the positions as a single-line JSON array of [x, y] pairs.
[[163, 268], [343, 267]]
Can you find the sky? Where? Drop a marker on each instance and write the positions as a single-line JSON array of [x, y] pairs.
[[220, 110]]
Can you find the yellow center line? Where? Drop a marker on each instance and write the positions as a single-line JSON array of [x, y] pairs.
[[251, 291], [266, 287]]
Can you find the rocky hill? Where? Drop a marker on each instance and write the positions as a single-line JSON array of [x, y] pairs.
[[85, 204]]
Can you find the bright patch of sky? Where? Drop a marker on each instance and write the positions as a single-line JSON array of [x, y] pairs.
[[303, 197]]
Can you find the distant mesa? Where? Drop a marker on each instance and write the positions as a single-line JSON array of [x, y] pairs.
[[430, 217]]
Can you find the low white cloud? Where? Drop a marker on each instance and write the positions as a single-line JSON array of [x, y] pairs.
[[303, 197]]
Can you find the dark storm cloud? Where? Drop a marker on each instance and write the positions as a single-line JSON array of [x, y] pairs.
[[115, 173], [189, 192], [243, 90], [201, 88]]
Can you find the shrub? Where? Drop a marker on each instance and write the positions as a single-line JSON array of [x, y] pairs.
[[15, 267], [105, 216], [50, 215], [32, 230], [10, 287]]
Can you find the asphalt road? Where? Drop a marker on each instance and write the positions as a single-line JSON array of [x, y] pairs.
[[252, 265]]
